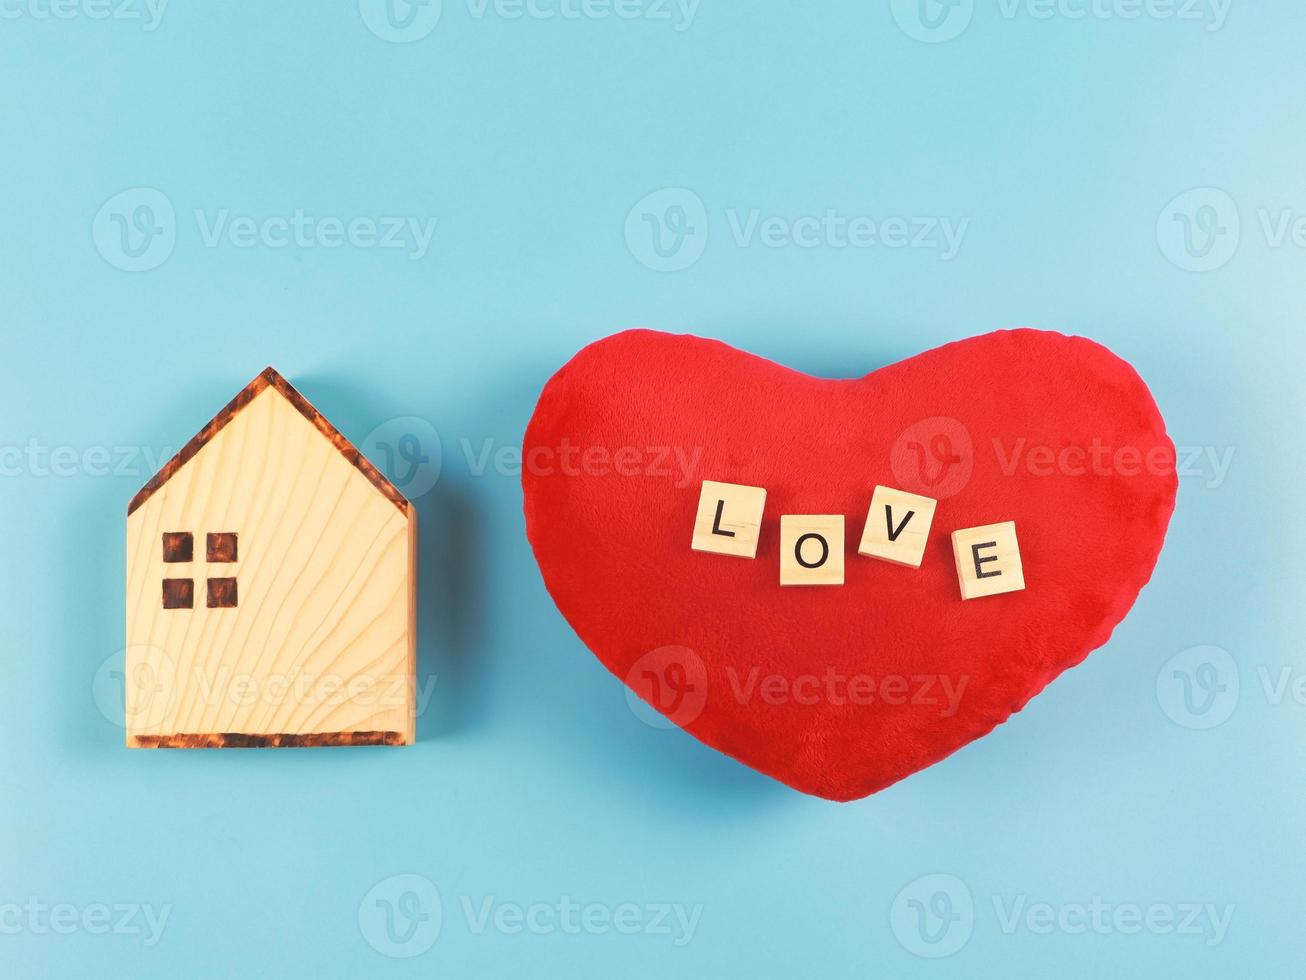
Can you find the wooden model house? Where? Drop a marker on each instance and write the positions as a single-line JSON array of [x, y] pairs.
[[271, 587]]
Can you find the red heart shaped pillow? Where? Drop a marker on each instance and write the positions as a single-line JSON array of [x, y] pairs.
[[840, 691]]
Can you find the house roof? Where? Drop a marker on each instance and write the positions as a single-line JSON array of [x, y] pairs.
[[271, 379]]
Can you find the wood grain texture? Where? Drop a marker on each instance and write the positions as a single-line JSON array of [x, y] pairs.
[[320, 646]]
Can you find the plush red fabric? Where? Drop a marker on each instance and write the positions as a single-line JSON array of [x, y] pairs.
[[840, 691]]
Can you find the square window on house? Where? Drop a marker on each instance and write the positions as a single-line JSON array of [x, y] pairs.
[[222, 593], [221, 547], [178, 593], [178, 546]]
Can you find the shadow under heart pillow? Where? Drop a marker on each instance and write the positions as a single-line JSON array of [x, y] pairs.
[[840, 691]]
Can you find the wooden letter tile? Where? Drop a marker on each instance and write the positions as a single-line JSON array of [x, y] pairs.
[[988, 560], [897, 527], [729, 519], [811, 549]]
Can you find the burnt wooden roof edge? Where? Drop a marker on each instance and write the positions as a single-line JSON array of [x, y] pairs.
[[269, 378]]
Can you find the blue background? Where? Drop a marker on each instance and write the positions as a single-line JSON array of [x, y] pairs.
[[1061, 140]]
